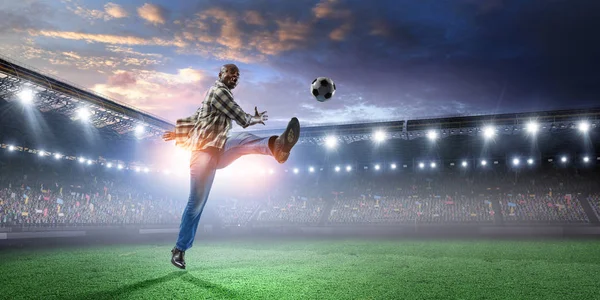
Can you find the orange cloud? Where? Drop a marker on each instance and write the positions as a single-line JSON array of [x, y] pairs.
[[115, 10], [230, 36], [172, 95], [152, 13], [329, 9], [107, 38], [111, 11], [341, 32]]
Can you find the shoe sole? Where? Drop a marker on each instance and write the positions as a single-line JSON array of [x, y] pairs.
[[291, 134], [181, 267]]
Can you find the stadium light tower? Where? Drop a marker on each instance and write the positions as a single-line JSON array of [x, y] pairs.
[[348, 168], [120, 167], [393, 166], [89, 161], [433, 165], [516, 161], [533, 127], [26, 96], [42, 153], [530, 161], [337, 168], [421, 165], [563, 159], [379, 136], [11, 148], [484, 162], [432, 135], [311, 169], [109, 165], [586, 159], [57, 155], [489, 132], [331, 142], [81, 160], [464, 164], [584, 126], [296, 171], [377, 167]]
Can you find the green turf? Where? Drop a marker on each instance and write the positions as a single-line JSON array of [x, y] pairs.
[[315, 269]]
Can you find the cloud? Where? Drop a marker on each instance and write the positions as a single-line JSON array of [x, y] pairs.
[[217, 33], [78, 61], [19, 16], [171, 95], [152, 13], [330, 9], [341, 32], [253, 17], [108, 38], [90, 14], [111, 11], [115, 10], [130, 52], [122, 79]]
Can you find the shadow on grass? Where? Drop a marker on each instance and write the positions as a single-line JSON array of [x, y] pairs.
[[123, 291], [215, 289]]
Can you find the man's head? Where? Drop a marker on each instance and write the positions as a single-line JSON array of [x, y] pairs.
[[229, 75]]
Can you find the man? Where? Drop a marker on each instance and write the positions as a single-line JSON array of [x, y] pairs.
[[206, 135]]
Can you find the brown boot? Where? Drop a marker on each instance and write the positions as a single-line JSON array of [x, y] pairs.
[[283, 144]]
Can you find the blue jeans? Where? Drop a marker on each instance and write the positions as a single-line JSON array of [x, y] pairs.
[[203, 166]]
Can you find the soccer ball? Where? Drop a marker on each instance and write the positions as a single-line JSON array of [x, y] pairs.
[[322, 88]]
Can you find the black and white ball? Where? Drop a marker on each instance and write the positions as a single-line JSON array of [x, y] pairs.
[[322, 89]]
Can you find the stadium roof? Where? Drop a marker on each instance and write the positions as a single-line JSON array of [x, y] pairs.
[[48, 93], [506, 124]]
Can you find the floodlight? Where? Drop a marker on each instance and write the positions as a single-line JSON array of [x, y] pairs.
[[432, 135]]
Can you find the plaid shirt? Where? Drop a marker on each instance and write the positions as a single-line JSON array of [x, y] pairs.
[[211, 123]]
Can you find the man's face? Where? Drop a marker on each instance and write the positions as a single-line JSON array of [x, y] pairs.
[[230, 77]]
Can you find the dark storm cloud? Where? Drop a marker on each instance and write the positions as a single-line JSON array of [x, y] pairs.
[[499, 56]]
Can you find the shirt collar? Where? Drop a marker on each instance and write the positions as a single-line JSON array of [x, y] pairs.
[[220, 84]]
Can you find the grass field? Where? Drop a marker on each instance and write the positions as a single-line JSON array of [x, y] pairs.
[[309, 269]]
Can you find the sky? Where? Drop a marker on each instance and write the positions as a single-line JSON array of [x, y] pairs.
[[390, 60]]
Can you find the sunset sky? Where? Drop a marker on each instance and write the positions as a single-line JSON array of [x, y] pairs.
[[389, 59]]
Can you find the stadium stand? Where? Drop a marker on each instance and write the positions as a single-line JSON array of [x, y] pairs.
[[402, 172]]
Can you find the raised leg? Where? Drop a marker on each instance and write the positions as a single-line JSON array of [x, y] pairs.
[[240, 144]]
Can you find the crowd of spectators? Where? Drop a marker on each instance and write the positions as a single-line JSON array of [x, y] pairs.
[[40, 196]]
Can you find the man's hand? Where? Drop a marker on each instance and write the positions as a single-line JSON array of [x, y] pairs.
[[259, 118], [168, 136]]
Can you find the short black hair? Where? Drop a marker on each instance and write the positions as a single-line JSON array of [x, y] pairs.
[[225, 67]]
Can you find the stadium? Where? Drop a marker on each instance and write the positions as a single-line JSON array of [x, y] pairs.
[[443, 208]]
